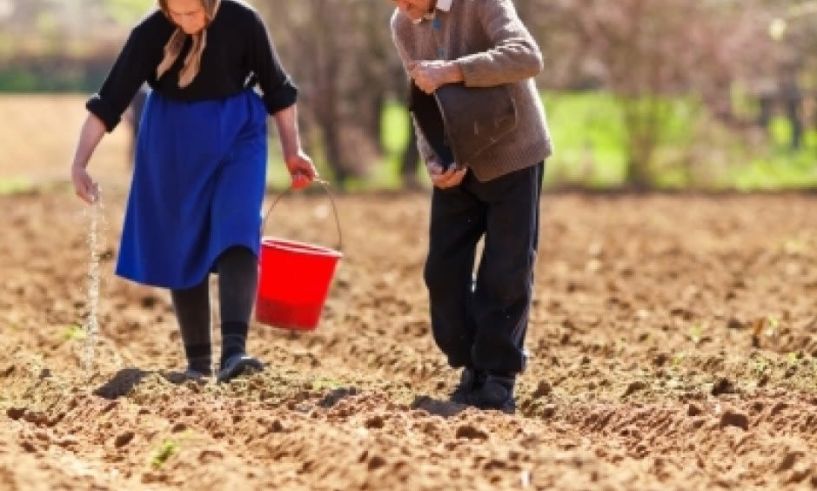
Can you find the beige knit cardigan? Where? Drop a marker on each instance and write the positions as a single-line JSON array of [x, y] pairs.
[[488, 41]]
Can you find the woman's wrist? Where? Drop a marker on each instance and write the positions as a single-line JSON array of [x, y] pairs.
[[293, 154]]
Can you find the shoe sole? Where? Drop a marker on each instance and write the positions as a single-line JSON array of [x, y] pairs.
[[507, 409]]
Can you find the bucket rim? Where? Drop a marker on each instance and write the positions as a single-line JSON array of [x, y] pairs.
[[298, 246]]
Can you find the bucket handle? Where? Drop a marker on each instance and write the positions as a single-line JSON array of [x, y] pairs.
[[325, 186]]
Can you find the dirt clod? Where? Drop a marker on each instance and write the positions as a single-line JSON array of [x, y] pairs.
[[734, 418], [123, 439], [471, 433]]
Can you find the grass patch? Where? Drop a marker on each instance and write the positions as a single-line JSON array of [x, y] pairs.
[[587, 137], [9, 187], [74, 333], [161, 455], [321, 384]]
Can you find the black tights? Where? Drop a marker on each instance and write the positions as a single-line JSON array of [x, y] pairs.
[[237, 283]]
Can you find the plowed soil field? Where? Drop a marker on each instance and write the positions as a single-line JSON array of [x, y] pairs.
[[673, 345], [673, 342]]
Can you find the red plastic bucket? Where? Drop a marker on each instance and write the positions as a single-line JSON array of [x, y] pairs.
[[294, 280], [293, 283]]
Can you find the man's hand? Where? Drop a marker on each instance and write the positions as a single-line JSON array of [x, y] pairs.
[[301, 169], [445, 179], [431, 75]]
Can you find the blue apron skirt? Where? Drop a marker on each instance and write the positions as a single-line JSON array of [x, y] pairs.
[[198, 187]]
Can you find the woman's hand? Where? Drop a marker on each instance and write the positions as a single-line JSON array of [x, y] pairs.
[[92, 132], [301, 169], [298, 163], [445, 179], [84, 185]]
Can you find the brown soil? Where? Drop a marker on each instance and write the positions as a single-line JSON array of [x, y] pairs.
[[673, 342]]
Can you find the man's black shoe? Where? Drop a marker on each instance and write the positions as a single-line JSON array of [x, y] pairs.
[[470, 380], [496, 393]]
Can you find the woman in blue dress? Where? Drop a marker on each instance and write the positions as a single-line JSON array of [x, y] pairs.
[[200, 171]]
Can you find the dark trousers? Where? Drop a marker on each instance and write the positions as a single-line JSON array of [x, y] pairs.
[[481, 322]]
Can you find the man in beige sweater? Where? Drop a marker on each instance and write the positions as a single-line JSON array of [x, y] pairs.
[[458, 48]]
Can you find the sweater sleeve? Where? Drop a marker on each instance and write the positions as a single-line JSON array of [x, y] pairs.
[[132, 68], [278, 89], [515, 56]]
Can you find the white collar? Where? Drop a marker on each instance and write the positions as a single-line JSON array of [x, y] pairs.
[[444, 5]]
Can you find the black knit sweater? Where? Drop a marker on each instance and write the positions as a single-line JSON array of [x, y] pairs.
[[239, 54]]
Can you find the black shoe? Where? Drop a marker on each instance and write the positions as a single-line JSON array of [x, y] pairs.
[[197, 375], [238, 365], [495, 393], [470, 380]]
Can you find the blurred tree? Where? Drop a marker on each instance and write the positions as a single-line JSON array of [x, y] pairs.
[[339, 53], [795, 31], [650, 54]]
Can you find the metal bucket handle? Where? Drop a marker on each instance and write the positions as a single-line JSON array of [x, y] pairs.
[[325, 185]]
